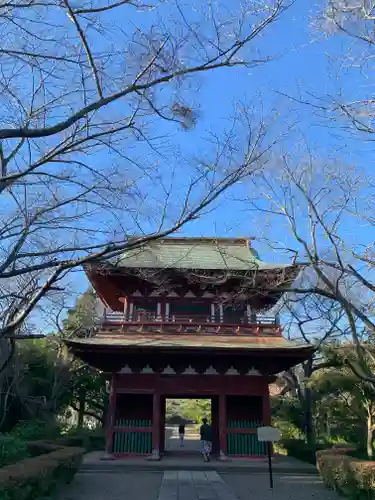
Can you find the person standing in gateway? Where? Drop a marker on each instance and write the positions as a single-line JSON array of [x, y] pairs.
[[206, 440], [181, 431]]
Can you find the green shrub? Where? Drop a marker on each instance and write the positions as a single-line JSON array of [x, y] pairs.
[[338, 441], [12, 449], [298, 448], [35, 430], [361, 454], [91, 440], [290, 433], [288, 429], [34, 477], [37, 448], [346, 474]]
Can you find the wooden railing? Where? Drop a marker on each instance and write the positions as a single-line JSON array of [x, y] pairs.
[[242, 439], [117, 323], [132, 437], [119, 317]]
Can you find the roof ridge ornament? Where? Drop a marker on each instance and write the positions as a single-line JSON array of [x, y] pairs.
[[168, 370], [189, 371], [253, 372], [232, 371], [147, 369], [211, 371], [126, 369]]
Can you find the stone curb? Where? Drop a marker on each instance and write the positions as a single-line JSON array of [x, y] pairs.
[[152, 467]]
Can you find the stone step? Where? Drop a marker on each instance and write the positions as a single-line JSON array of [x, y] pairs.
[[220, 467]]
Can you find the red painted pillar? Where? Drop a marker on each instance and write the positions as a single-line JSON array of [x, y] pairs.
[[223, 425], [156, 414], [266, 410], [266, 407], [111, 416], [215, 425], [162, 426]]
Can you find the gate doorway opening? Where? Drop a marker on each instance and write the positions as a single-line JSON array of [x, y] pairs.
[[147, 424], [189, 412]]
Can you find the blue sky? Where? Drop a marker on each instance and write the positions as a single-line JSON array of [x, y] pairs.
[[305, 61], [302, 64]]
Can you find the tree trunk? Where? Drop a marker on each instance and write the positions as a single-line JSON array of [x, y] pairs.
[[7, 352], [328, 424], [81, 408], [308, 402], [369, 435], [104, 418], [309, 427]]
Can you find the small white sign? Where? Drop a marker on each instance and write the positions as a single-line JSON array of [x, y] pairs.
[[270, 434]]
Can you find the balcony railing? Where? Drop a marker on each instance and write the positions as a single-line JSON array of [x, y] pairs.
[[259, 325], [118, 316]]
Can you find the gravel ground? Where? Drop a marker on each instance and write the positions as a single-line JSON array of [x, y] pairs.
[[286, 487], [123, 486]]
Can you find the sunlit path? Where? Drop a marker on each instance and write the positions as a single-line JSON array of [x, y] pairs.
[[191, 442]]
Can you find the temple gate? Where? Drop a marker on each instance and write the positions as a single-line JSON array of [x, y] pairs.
[[187, 317]]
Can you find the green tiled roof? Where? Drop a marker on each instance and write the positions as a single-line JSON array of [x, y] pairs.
[[196, 253]]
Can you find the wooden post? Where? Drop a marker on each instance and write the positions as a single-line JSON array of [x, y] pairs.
[[223, 426], [212, 313], [221, 312], [125, 308], [266, 410], [156, 417], [111, 415], [215, 425], [266, 413], [167, 309], [248, 313], [131, 309], [162, 426], [158, 311]]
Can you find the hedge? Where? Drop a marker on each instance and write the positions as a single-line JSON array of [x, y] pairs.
[[12, 449], [298, 448], [90, 444], [38, 429], [346, 474], [90, 440], [37, 448], [34, 477]]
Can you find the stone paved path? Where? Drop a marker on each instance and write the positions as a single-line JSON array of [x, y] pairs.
[[194, 485], [111, 486], [286, 487], [191, 441]]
